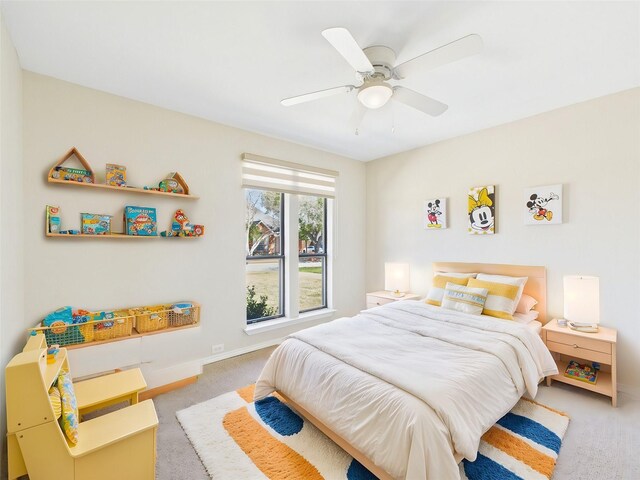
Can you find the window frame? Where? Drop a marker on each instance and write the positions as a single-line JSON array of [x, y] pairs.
[[315, 255], [281, 266]]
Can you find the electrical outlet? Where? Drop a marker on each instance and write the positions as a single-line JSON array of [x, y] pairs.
[[217, 348]]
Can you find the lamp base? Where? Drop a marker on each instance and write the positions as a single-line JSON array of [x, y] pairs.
[[398, 294], [584, 327]]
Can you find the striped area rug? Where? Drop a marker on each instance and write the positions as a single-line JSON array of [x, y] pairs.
[[237, 438]]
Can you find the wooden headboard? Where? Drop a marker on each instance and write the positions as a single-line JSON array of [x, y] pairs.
[[536, 286]]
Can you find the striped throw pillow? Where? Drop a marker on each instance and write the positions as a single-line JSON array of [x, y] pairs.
[[436, 291], [502, 299], [464, 299], [519, 281]]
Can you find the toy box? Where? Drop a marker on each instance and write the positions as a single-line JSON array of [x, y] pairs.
[[94, 224], [140, 221], [53, 219], [116, 175], [72, 174]]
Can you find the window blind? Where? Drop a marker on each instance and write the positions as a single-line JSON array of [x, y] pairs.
[[280, 176]]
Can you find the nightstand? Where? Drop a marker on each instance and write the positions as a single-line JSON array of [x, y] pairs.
[[375, 299], [566, 344]]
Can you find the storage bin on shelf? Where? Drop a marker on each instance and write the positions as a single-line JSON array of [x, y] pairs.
[[152, 318], [88, 331], [183, 314], [119, 326], [158, 317]]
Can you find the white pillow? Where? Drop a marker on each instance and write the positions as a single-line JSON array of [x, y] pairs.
[[526, 317], [464, 299], [526, 303], [519, 281]]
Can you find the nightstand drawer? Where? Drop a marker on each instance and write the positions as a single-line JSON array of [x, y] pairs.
[[579, 342], [373, 301], [578, 352]]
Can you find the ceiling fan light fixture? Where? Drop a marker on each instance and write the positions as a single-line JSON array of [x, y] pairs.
[[375, 95]]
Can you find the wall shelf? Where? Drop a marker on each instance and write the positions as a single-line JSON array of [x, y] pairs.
[[121, 189], [118, 236]]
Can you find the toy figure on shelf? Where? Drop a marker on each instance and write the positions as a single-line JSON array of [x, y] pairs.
[[174, 183], [181, 227]]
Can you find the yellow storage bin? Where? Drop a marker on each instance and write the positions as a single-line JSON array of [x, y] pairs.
[[120, 326], [150, 319]]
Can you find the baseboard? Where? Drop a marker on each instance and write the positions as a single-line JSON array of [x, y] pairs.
[[153, 392], [241, 351], [629, 390]]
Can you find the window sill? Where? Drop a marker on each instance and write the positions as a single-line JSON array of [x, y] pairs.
[[277, 323]]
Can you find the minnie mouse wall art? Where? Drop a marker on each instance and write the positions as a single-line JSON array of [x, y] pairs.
[[482, 210], [543, 205], [435, 214]]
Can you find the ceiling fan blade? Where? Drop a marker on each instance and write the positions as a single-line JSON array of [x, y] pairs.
[[308, 97], [461, 48], [418, 101], [356, 117], [346, 46]]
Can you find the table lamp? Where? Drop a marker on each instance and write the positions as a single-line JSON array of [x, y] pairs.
[[396, 278], [582, 302]]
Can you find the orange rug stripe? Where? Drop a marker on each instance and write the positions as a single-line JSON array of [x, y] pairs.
[[544, 406], [520, 450], [275, 459], [246, 393]]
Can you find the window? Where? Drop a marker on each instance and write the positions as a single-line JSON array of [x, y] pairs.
[[288, 225], [312, 257], [264, 255]]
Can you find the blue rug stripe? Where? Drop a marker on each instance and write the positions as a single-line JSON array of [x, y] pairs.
[[279, 416], [532, 430], [357, 472], [483, 468]]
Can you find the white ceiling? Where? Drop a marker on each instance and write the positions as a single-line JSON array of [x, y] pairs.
[[232, 62]]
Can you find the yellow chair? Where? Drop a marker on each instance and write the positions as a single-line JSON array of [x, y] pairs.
[[120, 444]]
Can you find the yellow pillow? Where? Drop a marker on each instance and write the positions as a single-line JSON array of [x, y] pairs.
[[436, 292], [69, 418], [501, 300], [56, 403]]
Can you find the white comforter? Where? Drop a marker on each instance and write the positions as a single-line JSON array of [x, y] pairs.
[[411, 386]]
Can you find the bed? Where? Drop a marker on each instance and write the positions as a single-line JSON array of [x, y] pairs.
[[407, 388]]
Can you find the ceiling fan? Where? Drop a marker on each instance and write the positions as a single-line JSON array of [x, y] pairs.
[[374, 68]]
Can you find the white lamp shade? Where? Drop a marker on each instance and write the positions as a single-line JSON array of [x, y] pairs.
[[375, 96], [396, 277], [582, 299]]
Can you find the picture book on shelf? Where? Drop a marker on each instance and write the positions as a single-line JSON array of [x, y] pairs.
[[583, 372], [140, 221]]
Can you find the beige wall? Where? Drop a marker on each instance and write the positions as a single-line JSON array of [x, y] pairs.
[[151, 142], [592, 148], [11, 251]]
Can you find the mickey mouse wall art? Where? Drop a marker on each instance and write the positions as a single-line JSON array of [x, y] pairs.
[[543, 205], [435, 214], [482, 210]]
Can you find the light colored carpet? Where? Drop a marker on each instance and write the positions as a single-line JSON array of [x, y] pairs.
[[602, 443]]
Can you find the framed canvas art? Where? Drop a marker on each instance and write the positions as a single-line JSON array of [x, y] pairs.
[[543, 205], [435, 214], [482, 210]]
